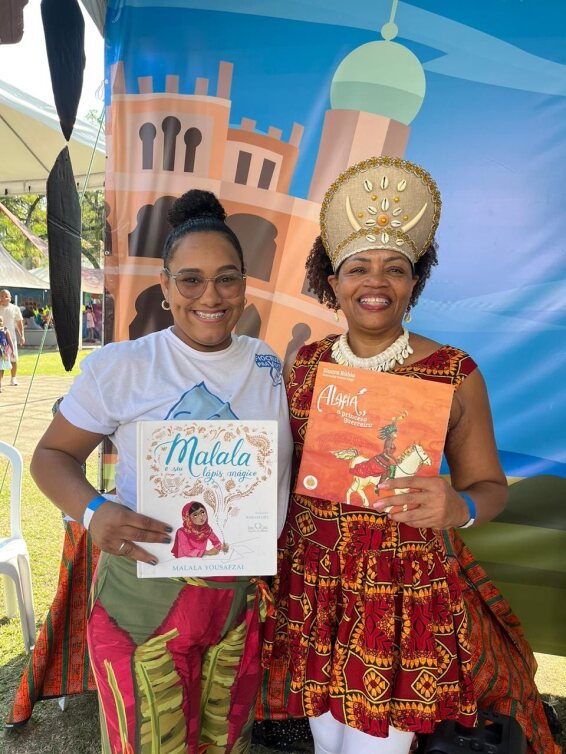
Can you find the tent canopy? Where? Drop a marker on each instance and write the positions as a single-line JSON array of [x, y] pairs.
[[13, 275], [31, 139], [92, 281]]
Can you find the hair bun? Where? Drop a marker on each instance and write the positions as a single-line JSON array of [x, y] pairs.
[[195, 203]]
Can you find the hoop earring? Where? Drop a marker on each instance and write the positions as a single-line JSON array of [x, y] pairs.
[[165, 305], [408, 318]]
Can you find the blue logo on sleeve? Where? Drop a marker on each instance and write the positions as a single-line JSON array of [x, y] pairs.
[[272, 363]]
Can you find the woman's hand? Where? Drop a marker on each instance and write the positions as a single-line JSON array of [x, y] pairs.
[[428, 502], [116, 529]]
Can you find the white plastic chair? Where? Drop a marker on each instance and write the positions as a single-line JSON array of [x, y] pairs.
[[14, 556]]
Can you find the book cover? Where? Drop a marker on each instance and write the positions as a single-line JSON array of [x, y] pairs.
[[366, 426], [215, 483]]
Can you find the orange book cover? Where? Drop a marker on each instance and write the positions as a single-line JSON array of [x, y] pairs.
[[366, 426]]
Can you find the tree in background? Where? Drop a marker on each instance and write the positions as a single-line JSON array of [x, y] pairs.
[[30, 209]]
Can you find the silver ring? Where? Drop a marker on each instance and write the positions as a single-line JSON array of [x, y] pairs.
[[122, 545], [405, 507]]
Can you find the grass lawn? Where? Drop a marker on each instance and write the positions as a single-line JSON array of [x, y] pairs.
[[50, 730], [49, 363]]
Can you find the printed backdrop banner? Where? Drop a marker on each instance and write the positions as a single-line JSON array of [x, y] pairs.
[[266, 103]]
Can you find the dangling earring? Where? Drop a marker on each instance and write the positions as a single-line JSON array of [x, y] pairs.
[[336, 317], [165, 305], [407, 318]]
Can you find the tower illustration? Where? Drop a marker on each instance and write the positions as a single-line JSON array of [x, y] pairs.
[[161, 144]]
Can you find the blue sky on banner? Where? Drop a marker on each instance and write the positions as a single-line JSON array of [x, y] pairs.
[[489, 131]]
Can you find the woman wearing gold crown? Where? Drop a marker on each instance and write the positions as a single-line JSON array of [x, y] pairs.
[[370, 637]]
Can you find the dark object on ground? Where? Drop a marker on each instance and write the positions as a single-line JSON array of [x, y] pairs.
[[292, 735], [64, 28], [64, 239], [554, 723], [494, 734]]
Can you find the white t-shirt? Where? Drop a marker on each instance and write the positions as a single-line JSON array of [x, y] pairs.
[[161, 377], [11, 314]]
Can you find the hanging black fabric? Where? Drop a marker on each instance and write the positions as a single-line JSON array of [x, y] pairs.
[[11, 21], [64, 239], [64, 28]]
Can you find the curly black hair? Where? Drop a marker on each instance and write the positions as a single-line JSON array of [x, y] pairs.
[[318, 269], [198, 211]]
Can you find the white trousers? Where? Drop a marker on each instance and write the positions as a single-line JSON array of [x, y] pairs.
[[333, 737]]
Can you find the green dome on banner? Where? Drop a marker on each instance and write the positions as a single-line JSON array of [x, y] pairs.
[[384, 78]]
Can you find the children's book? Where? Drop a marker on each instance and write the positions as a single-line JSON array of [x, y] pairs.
[[215, 483], [367, 426]]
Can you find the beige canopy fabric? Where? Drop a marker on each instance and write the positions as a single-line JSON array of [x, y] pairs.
[[31, 139], [97, 11], [13, 275], [92, 281]]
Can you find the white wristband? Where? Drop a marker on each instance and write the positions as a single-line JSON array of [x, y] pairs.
[[91, 509]]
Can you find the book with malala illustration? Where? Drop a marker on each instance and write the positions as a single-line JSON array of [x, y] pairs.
[[215, 483], [365, 427]]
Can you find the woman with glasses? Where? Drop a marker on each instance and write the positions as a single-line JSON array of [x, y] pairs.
[[176, 660]]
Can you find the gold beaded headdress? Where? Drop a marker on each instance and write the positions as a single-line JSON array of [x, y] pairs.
[[380, 203]]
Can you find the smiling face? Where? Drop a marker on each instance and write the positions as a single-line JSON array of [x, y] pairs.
[[204, 323], [373, 289]]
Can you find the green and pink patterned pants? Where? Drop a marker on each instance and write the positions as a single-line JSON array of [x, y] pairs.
[[176, 661]]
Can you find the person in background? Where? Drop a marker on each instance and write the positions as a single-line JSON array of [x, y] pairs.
[[176, 660], [89, 324], [5, 350], [14, 323]]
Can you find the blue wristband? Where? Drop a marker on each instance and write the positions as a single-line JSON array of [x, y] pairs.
[[94, 504], [471, 509]]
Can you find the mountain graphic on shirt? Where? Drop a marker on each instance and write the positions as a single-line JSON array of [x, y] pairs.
[[200, 403]]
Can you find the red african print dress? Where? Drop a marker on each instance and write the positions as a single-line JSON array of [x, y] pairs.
[[370, 621]]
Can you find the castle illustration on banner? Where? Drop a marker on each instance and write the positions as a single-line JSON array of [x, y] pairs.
[[161, 144]]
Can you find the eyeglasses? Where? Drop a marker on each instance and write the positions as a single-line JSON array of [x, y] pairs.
[[191, 285]]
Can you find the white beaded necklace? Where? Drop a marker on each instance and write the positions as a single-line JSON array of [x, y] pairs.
[[381, 362]]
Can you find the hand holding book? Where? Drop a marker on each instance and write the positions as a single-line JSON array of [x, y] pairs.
[[429, 502]]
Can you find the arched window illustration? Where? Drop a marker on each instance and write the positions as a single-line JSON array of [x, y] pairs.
[[243, 167], [150, 317], [257, 236], [148, 237], [147, 134], [193, 138], [250, 322], [267, 170], [171, 127]]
